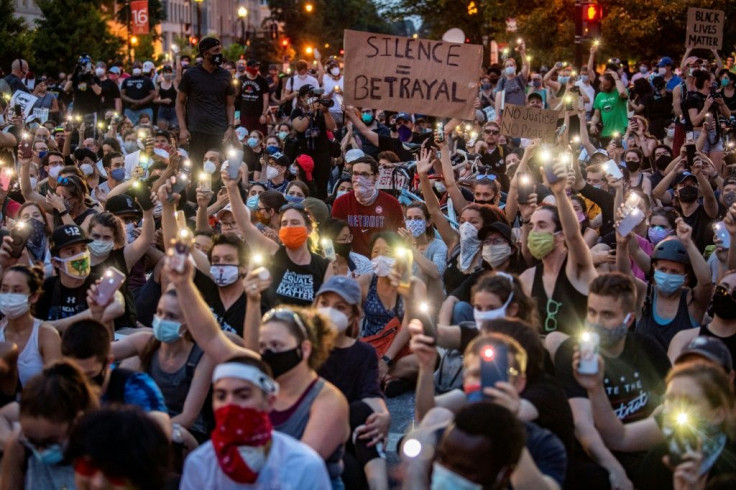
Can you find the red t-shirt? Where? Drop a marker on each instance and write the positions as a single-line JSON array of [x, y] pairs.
[[11, 209], [385, 214]]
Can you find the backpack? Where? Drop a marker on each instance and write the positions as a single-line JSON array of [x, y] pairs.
[[449, 374]]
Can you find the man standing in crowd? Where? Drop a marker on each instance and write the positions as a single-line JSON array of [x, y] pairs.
[[205, 105], [18, 70], [253, 95], [138, 92]]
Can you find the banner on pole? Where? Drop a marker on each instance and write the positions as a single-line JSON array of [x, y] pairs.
[[139, 16], [411, 75]]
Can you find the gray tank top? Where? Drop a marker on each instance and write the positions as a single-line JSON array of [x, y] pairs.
[[175, 386], [49, 476], [293, 421]]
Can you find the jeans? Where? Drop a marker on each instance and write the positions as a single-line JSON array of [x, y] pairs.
[[168, 114], [134, 115], [462, 312]]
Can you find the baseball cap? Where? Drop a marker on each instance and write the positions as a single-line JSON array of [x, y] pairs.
[[148, 66], [307, 164], [665, 61], [711, 348], [305, 89], [227, 209], [497, 227], [66, 235], [683, 176], [691, 60], [535, 95], [404, 115], [115, 70], [122, 204], [280, 159], [253, 63], [354, 154], [345, 287], [419, 117], [207, 43]]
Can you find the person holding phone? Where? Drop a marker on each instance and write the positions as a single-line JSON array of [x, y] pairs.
[[609, 108]]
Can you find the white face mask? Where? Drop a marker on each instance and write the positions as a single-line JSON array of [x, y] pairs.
[[484, 316], [382, 265], [496, 254], [338, 318], [662, 70], [272, 173], [671, 133], [100, 72], [224, 275], [209, 167], [54, 171], [14, 305], [510, 70], [86, 169], [100, 248], [335, 71], [137, 72]]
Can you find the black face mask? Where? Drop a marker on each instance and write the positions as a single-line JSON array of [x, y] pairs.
[[729, 198], [632, 166], [216, 59], [476, 201], [662, 162], [724, 306], [688, 194], [343, 249], [282, 362]]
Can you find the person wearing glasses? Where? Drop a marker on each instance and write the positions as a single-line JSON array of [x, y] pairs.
[[49, 405], [294, 342], [493, 153], [635, 368], [559, 281]]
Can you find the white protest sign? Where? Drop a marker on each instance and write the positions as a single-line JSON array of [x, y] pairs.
[[41, 113], [387, 177]]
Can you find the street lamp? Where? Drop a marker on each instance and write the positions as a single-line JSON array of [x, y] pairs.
[[308, 7], [242, 14]]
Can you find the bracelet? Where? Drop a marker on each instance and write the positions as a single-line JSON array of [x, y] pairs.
[[389, 362], [63, 213]]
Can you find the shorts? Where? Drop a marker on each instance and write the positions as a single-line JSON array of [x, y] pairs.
[[707, 146]]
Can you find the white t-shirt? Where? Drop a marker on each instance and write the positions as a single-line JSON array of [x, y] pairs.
[[329, 84], [299, 83], [589, 91], [291, 465]]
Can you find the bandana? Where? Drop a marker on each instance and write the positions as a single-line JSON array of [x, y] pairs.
[[238, 439]]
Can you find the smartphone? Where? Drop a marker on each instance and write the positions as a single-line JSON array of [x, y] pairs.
[[690, 149], [613, 170], [234, 160], [20, 233], [178, 253], [181, 220], [681, 437], [428, 327], [569, 103], [328, 248], [111, 281], [18, 110], [720, 231], [440, 132], [549, 171], [581, 104], [632, 215], [6, 175], [403, 263], [494, 364], [525, 188], [26, 147], [262, 272], [181, 182], [142, 192], [588, 345], [205, 182]]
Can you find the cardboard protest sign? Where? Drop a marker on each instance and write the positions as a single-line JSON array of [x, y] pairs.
[[704, 28], [411, 75], [25, 100], [387, 178], [529, 122]]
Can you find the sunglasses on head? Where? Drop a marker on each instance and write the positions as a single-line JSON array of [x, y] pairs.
[[286, 207]]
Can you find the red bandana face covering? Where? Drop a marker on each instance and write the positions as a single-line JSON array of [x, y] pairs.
[[240, 431]]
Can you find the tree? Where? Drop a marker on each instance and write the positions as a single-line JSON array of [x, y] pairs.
[[70, 28], [15, 36]]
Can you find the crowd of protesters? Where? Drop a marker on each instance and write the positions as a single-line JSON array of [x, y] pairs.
[[214, 275]]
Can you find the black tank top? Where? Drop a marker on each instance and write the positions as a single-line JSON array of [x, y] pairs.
[[565, 310], [662, 333], [730, 341], [168, 93]]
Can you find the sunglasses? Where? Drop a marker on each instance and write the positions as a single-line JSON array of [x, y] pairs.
[[485, 176], [491, 131], [285, 315]]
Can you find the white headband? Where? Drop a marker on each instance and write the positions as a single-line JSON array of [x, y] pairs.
[[246, 372]]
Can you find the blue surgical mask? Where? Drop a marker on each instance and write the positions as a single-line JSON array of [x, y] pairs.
[[51, 455], [417, 227], [657, 234], [118, 174], [340, 193], [294, 199], [584, 78], [272, 149], [252, 202], [367, 118], [283, 135], [443, 478], [43, 153], [668, 283], [563, 80], [166, 331], [252, 142]]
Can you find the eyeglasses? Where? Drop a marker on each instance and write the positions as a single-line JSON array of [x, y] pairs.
[[553, 307], [722, 290], [362, 174], [491, 131], [285, 315], [228, 224]]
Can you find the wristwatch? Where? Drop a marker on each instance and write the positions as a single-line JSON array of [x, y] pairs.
[[389, 362]]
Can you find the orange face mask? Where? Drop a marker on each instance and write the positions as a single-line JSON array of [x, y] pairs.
[[293, 236]]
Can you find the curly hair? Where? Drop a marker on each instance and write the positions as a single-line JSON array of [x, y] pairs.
[[316, 329]]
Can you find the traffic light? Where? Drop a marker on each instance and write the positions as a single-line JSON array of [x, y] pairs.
[[592, 17], [285, 44]]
